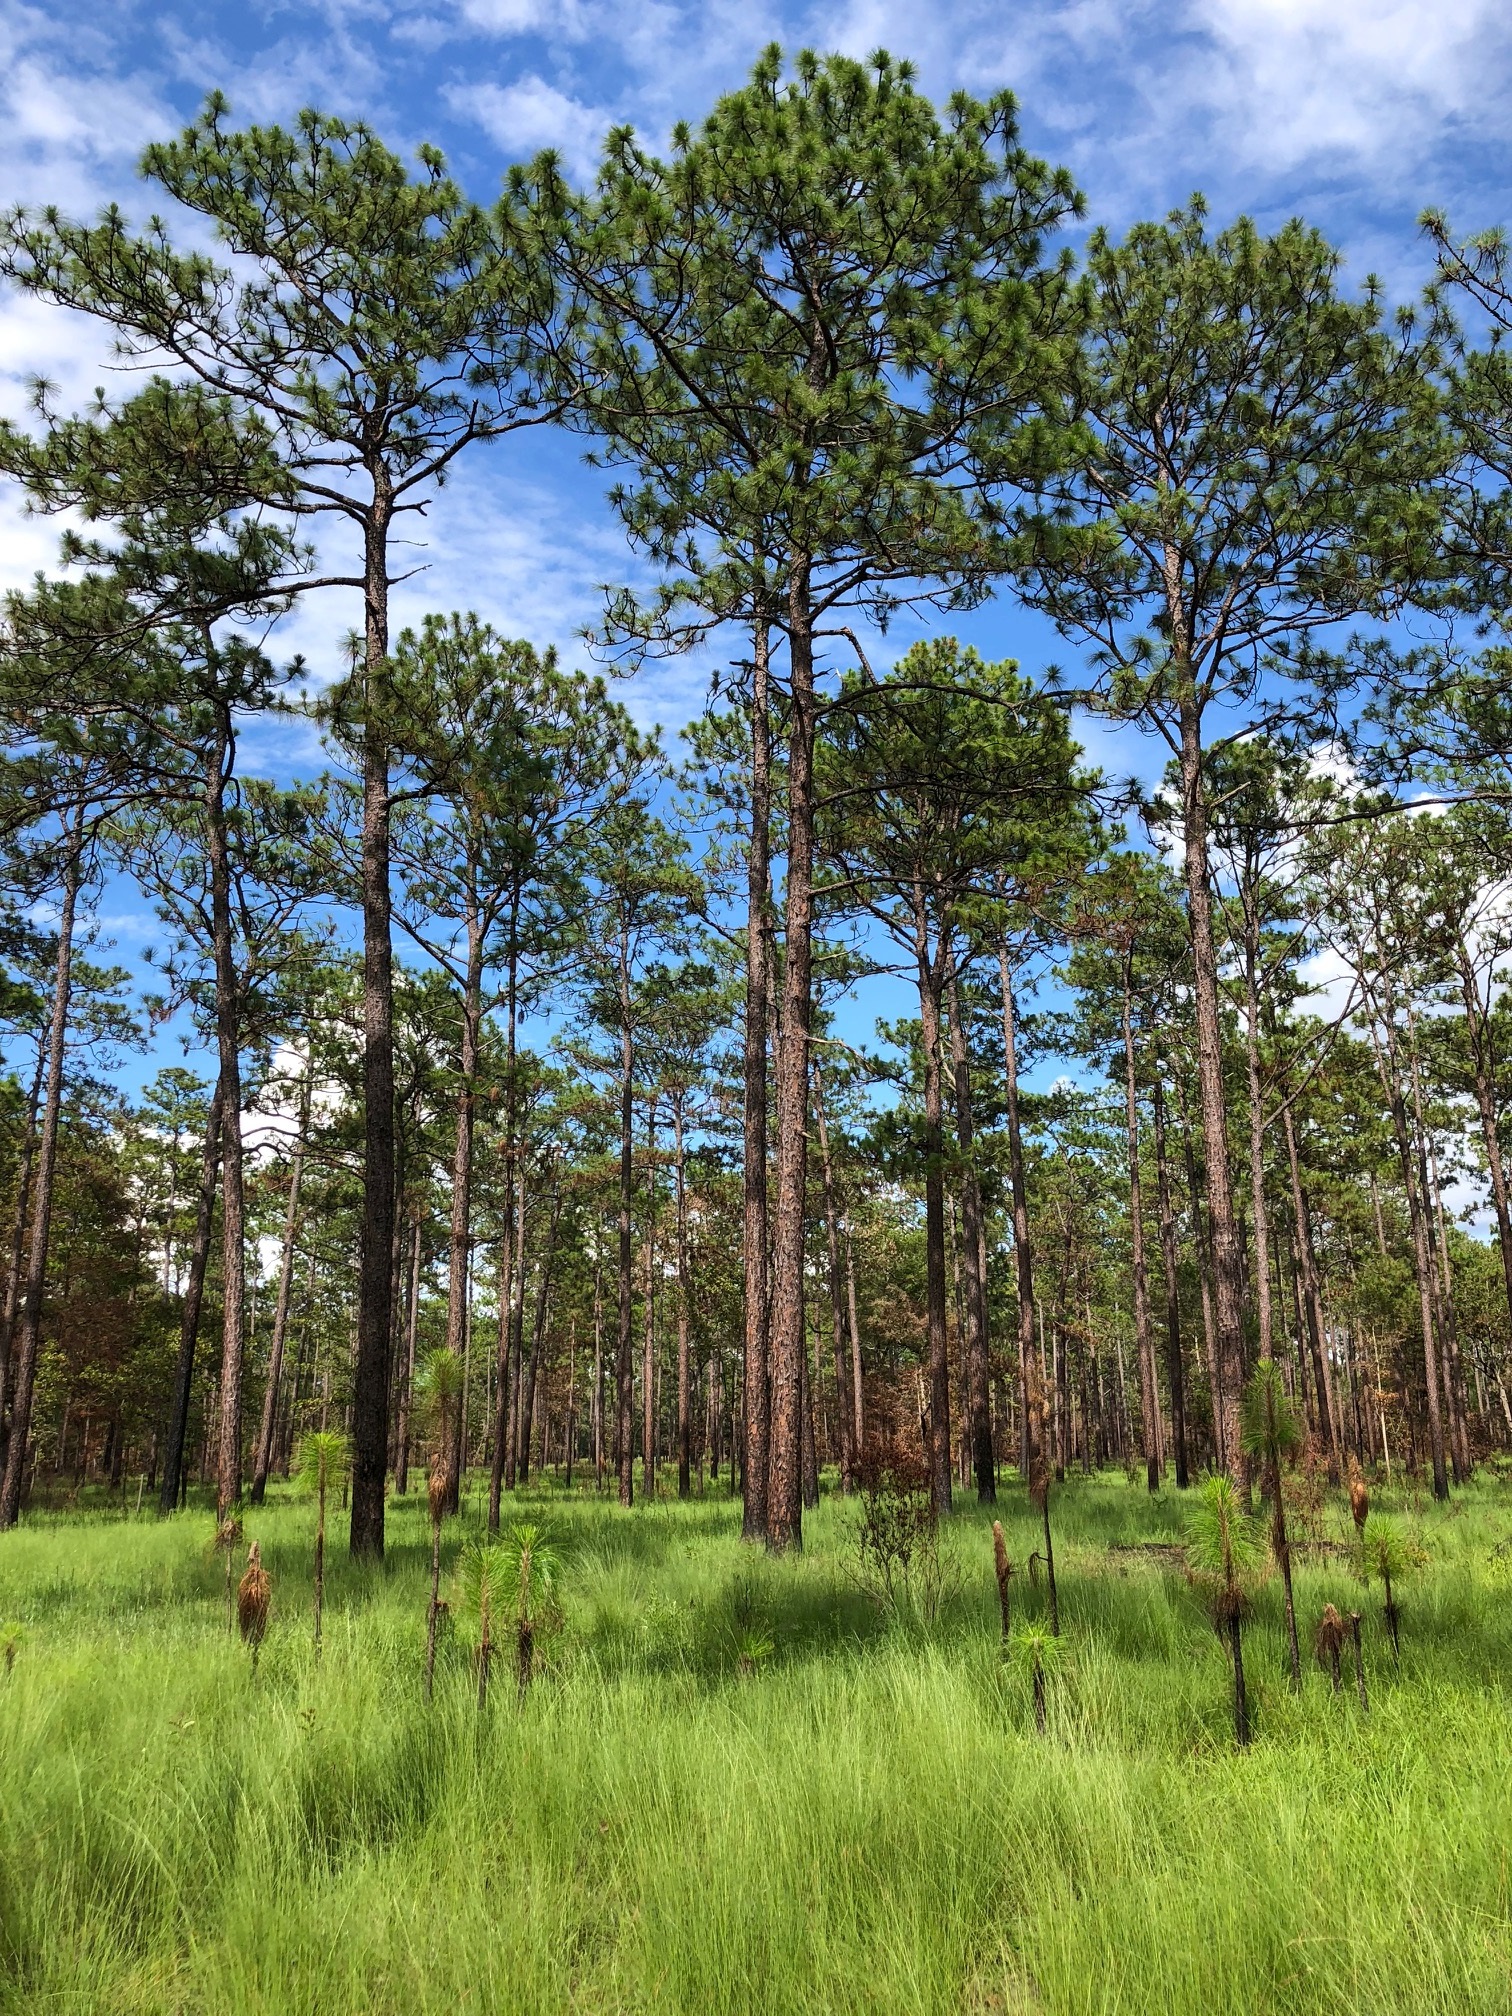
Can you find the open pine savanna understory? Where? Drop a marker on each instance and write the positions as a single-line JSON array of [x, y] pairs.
[[844, 1361]]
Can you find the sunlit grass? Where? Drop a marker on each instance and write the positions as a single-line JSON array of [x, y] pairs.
[[859, 1817]]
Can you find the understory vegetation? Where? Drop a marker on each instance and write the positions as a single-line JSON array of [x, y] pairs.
[[738, 1782]]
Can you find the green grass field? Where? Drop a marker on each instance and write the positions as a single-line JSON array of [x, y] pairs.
[[864, 1819]]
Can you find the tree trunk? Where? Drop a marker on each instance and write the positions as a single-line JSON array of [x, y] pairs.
[[785, 1506], [624, 1443], [538, 1333], [757, 1448], [1149, 1401], [459, 1233], [509, 1249], [979, 1406], [1175, 1377], [1387, 1067], [1227, 1262], [18, 1236], [684, 1369], [1031, 1385], [648, 1331], [411, 1331], [930, 989], [1257, 1125], [849, 1451], [1485, 1101], [228, 1050], [264, 1459], [29, 1334], [375, 1279], [1312, 1303]]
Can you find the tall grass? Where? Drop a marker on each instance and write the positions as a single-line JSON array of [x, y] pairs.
[[866, 1821]]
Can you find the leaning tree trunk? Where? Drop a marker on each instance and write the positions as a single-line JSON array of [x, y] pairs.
[[264, 1459], [29, 1334], [978, 1403], [1149, 1399], [369, 1409], [785, 1500], [757, 1450]]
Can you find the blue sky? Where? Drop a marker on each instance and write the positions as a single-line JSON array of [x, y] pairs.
[[1355, 115]]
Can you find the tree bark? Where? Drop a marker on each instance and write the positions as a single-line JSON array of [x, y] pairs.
[[623, 1367], [1227, 1262], [684, 1368], [785, 1501], [29, 1334], [375, 1276], [411, 1331], [1031, 1423], [1175, 1375], [648, 1315], [757, 1447], [1148, 1396], [459, 1233], [189, 1316], [849, 1451], [18, 1237], [930, 989], [538, 1334], [1312, 1301], [978, 1402]]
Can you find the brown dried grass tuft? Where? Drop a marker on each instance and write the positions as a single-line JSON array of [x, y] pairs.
[[254, 1595]]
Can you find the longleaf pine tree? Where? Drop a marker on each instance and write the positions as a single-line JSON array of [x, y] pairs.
[[810, 336]]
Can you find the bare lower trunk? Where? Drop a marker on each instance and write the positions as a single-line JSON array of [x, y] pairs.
[[849, 1450], [1175, 1377], [784, 1507], [757, 1450], [30, 1329], [929, 980], [973, 1244], [189, 1315], [624, 1423], [1485, 1100], [1387, 1065], [1148, 1393], [369, 1409], [411, 1330], [648, 1333], [1227, 1261], [538, 1333], [684, 1368], [18, 1236], [1312, 1303], [1031, 1386]]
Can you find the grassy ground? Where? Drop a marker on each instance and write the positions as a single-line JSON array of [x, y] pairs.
[[867, 1821]]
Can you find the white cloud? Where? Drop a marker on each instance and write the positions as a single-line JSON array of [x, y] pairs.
[[523, 117]]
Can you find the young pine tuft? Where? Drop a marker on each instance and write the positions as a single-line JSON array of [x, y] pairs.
[[254, 1595]]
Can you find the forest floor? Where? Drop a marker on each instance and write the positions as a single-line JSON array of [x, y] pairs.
[[737, 1785]]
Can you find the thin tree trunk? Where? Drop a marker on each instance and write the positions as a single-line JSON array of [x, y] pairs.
[[1030, 1380], [228, 1049], [756, 1458], [538, 1332], [784, 1506], [1312, 1301], [1144, 1341], [648, 1332], [375, 1276], [264, 1459], [411, 1331], [623, 1368], [1175, 1377], [18, 1235], [979, 1406], [1227, 1262], [684, 1369], [29, 1335], [848, 1448], [929, 982]]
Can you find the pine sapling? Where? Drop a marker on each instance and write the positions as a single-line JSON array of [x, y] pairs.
[[254, 1594], [323, 1460], [1041, 1651], [534, 1562], [1221, 1550]]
